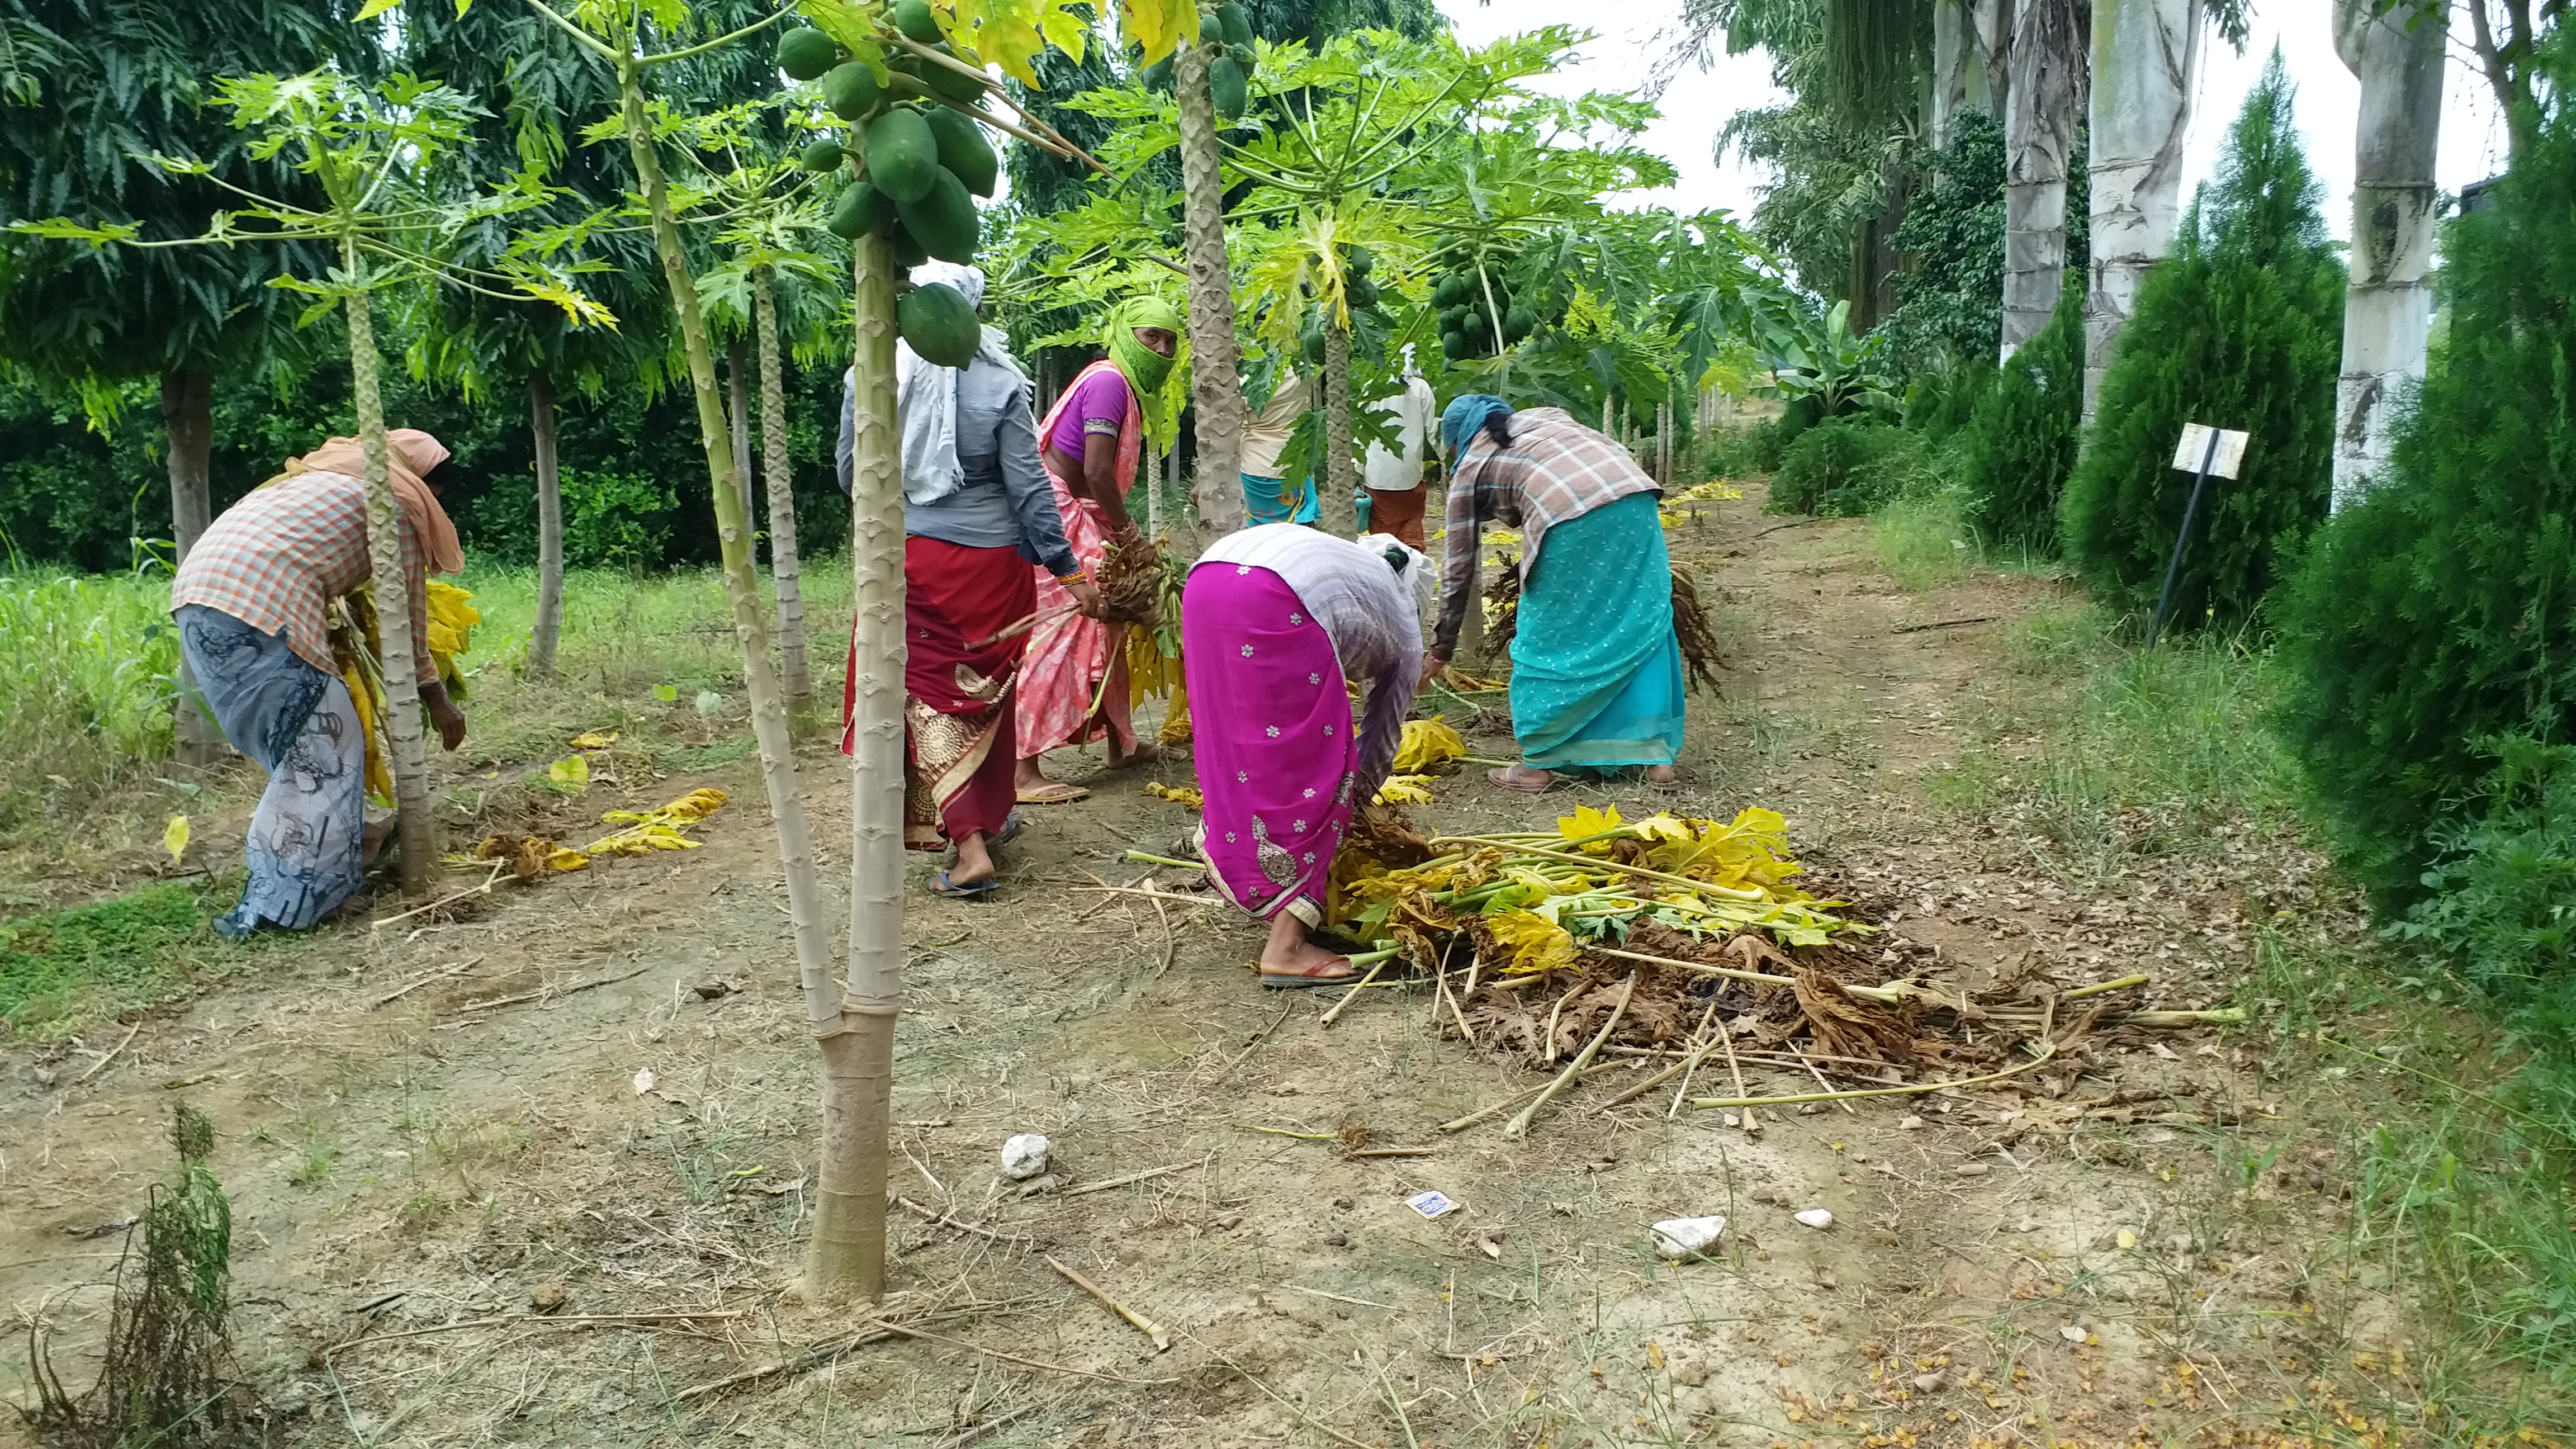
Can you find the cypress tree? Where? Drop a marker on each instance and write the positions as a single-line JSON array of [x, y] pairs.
[[2241, 327], [2440, 612], [2019, 445]]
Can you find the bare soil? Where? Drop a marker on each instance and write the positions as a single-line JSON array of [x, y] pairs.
[[460, 1222]]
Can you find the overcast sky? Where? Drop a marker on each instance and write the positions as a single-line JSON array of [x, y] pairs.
[[1632, 34]]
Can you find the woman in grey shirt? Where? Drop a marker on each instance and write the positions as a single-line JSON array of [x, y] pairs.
[[978, 510]]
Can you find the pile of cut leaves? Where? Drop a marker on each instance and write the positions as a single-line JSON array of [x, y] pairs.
[[1694, 942]]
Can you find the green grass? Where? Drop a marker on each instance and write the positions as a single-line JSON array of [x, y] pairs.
[[87, 676], [60, 968]]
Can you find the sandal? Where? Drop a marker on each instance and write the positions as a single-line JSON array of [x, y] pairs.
[[941, 885], [1054, 792], [1308, 979], [1012, 825], [1515, 778]]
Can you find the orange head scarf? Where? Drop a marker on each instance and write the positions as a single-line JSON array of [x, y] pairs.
[[410, 455]]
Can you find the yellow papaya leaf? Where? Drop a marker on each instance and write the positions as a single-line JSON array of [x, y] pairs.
[[1665, 827], [175, 838], [451, 619], [1426, 745], [1405, 790], [572, 772], [594, 739], [1586, 821], [566, 858], [1536, 944], [1158, 25]]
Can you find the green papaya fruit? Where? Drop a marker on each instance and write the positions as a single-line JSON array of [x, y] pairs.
[[906, 253], [1362, 293], [1519, 322], [1359, 260], [1453, 319], [1157, 77], [1243, 55], [944, 220], [1211, 30], [903, 157], [947, 82], [1237, 23], [1477, 326], [1454, 345], [940, 326], [858, 210], [1227, 86], [1450, 291], [805, 53], [914, 19], [963, 149], [1312, 345], [850, 90], [823, 155]]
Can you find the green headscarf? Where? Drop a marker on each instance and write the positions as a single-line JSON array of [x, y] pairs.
[[1145, 369]]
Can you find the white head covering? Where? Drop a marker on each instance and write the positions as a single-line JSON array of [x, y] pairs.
[[1410, 566], [925, 396]]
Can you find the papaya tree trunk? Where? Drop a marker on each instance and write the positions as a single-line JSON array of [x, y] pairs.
[[2144, 55], [858, 1058], [795, 674], [738, 406], [825, 1012], [1341, 514], [403, 752], [548, 633], [2039, 136], [1214, 359], [188, 420], [2388, 306]]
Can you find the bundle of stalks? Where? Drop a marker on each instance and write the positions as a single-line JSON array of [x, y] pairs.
[[1503, 607], [1132, 580], [1700, 656]]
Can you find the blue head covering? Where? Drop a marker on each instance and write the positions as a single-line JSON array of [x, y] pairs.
[[1466, 416]]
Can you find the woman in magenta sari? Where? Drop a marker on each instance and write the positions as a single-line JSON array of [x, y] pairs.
[[1275, 621], [1090, 442]]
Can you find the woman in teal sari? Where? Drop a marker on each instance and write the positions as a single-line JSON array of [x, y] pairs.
[[1596, 670]]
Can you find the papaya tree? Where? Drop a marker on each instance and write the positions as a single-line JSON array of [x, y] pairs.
[[874, 62], [384, 217]]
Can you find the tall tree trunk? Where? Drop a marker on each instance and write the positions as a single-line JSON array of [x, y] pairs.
[[188, 420], [2145, 53], [1214, 359], [796, 675], [738, 406], [1341, 513], [404, 756], [2039, 135], [2388, 310], [859, 1057], [1988, 81], [550, 561], [842, 1195]]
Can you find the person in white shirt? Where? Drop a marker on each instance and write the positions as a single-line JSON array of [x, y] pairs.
[[1393, 504], [1266, 430]]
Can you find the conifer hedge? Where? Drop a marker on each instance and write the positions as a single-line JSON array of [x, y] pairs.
[[2019, 445], [2240, 327], [2440, 612]]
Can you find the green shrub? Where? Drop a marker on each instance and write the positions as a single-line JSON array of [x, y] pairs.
[[1949, 303], [615, 520], [2020, 443], [88, 671], [2502, 908], [2441, 609], [2241, 327], [1845, 466]]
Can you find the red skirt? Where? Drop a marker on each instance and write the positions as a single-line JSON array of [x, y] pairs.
[[957, 716]]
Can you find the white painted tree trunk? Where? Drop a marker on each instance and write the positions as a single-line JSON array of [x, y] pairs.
[[2145, 54], [1968, 50], [2388, 310], [2046, 91], [1214, 358]]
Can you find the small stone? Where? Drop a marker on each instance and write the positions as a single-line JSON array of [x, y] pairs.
[[714, 990], [1690, 1370], [1343, 1203], [1971, 1169], [2072, 1333], [1222, 1221], [548, 1296], [46, 1076], [1733, 1121], [1024, 1156], [1816, 1218], [1930, 1383], [1337, 1240], [1909, 1123], [1825, 1278], [1810, 1109]]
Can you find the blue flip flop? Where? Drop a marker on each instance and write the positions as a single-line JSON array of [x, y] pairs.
[[1012, 825], [976, 890]]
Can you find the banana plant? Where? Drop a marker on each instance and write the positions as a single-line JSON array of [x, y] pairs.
[[1836, 370]]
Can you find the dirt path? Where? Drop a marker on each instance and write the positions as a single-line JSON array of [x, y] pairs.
[[439, 1204]]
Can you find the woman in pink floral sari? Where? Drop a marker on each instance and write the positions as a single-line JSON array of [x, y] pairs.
[[1090, 442]]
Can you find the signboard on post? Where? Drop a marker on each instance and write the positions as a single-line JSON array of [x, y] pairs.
[[2203, 451]]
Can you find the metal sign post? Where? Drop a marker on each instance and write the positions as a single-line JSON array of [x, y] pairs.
[[2210, 451]]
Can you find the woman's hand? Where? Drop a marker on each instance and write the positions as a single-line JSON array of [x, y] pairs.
[[444, 713], [1086, 599], [1432, 666]]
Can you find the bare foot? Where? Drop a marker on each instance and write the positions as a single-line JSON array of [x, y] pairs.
[[1145, 752], [1662, 775], [1289, 954]]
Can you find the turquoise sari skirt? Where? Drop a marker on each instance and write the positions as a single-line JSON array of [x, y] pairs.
[[1596, 671]]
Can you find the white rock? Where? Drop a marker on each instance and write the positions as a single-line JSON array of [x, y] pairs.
[[1024, 1156], [2072, 1333], [1817, 1218], [643, 1080], [1681, 1237]]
